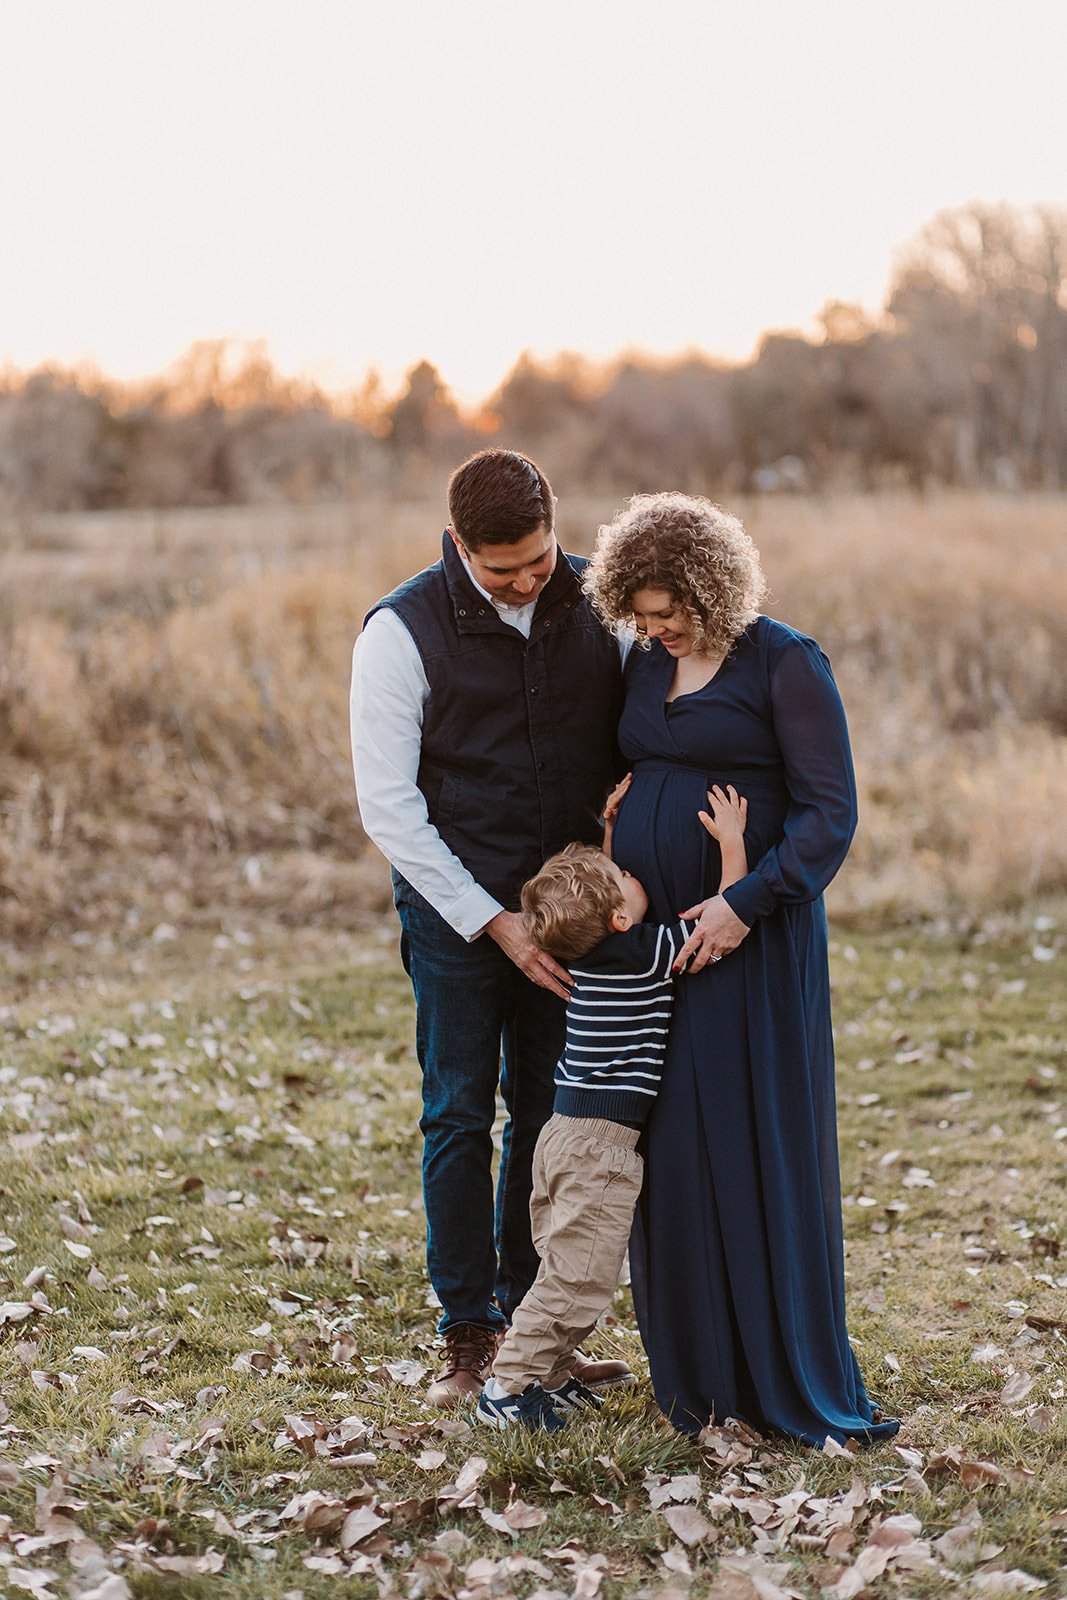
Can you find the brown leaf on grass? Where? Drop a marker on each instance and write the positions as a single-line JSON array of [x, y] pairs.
[[519, 1516], [38, 1583], [675, 1560], [494, 1520], [187, 1566], [305, 1433], [959, 1545], [430, 1575], [868, 1565], [430, 1460], [408, 1373], [467, 1479], [730, 1445], [1017, 1388], [945, 1461], [684, 1486], [358, 1526], [687, 1523], [893, 1532], [15, 1311], [751, 1577], [451, 1427], [839, 1543], [996, 1584], [126, 1403], [976, 1474], [587, 1582], [112, 1587]]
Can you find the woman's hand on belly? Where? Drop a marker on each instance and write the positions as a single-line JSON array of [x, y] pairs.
[[718, 931]]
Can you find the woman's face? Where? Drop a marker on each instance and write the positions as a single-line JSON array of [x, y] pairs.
[[656, 613]]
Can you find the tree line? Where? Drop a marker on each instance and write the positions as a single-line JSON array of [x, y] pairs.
[[961, 379]]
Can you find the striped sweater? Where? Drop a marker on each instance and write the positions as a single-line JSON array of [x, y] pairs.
[[618, 1016]]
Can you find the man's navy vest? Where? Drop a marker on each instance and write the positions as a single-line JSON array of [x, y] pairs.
[[518, 735]]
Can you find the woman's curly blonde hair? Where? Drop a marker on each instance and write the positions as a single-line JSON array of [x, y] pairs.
[[688, 546]]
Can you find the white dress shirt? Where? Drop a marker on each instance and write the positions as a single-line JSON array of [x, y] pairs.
[[389, 694]]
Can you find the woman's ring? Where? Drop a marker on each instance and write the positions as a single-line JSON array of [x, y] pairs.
[[715, 958]]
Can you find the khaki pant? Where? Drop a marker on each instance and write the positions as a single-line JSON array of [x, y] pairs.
[[586, 1179]]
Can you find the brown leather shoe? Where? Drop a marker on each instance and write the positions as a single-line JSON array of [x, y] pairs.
[[600, 1375], [469, 1352]]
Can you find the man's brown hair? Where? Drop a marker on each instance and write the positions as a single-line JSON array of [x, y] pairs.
[[568, 905], [499, 497]]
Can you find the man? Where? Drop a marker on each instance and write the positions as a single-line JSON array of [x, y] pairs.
[[485, 695]]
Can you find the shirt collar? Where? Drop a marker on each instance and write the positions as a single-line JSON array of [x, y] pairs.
[[500, 605]]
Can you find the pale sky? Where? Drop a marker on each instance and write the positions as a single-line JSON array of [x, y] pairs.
[[366, 182]]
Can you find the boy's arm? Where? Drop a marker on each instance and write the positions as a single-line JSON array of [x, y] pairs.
[[734, 861], [726, 823]]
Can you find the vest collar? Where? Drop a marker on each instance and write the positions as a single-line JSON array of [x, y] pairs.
[[475, 614]]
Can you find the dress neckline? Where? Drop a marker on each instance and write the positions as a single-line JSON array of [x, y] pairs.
[[669, 701]]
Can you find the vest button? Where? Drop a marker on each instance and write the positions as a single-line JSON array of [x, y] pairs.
[[481, 611], [462, 612]]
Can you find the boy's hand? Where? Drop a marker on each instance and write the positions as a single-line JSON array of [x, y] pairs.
[[611, 811], [615, 798], [729, 813]]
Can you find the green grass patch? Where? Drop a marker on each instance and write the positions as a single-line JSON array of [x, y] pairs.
[[217, 1325]]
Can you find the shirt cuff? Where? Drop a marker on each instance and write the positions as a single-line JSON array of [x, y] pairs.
[[750, 898], [471, 912]]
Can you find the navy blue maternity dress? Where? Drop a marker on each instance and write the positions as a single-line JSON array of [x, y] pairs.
[[736, 1256]]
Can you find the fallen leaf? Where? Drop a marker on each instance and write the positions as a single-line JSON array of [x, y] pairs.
[[688, 1523], [1017, 1388], [359, 1525]]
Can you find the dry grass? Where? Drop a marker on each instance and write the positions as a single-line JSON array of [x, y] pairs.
[[172, 701]]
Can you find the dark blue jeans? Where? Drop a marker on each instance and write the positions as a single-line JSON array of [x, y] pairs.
[[478, 1020]]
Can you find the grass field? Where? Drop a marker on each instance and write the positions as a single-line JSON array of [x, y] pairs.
[[215, 1321]]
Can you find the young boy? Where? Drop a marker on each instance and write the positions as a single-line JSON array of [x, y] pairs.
[[583, 909]]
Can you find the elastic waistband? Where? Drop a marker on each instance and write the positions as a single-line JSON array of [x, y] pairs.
[[599, 1128], [744, 782]]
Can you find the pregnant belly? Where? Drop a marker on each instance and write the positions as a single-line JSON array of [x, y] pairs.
[[660, 839]]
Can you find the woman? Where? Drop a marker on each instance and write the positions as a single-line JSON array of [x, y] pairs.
[[737, 1255]]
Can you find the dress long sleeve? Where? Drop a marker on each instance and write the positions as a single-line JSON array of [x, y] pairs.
[[809, 723]]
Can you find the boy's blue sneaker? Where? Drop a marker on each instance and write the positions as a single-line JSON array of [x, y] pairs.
[[575, 1396], [531, 1409]]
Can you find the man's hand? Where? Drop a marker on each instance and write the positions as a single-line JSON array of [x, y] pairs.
[[718, 931], [509, 931]]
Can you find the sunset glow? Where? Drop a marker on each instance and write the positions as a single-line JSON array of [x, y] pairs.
[[364, 186]]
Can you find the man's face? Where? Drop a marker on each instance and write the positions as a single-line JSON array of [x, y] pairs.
[[513, 573]]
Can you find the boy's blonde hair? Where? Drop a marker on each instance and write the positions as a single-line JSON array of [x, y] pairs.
[[568, 905]]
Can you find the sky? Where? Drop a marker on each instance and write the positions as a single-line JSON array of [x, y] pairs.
[[363, 184]]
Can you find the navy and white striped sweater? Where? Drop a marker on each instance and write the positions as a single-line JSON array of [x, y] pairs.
[[618, 1016]]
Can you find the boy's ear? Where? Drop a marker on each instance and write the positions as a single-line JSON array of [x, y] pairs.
[[621, 920]]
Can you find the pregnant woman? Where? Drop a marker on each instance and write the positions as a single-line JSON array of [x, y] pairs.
[[737, 1256]]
